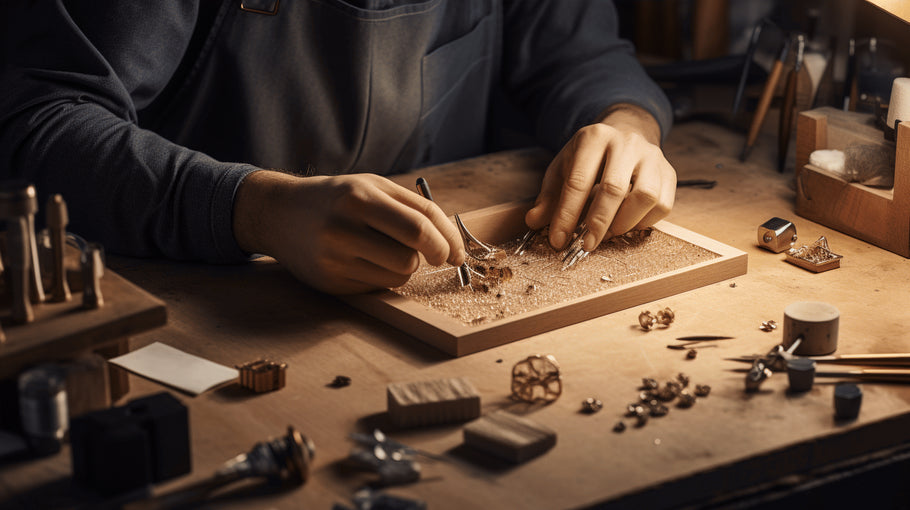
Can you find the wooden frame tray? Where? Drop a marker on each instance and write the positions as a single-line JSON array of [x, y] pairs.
[[503, 222]]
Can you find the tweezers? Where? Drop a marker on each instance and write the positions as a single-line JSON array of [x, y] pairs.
[[884, 360], [525, 241], [463, 271], [473, 246], [576, 250]]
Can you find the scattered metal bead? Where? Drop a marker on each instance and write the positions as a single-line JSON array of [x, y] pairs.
[[768, 326], [666, 394], [702, 390], [648, 383], [691, 354], [659, 410], [340, 381], [686, 399], [591, 405], [646, 395], [619, 427], [641, 418], [634, 409], [646, 320], [683, 379], [665, 317], [733, 285]]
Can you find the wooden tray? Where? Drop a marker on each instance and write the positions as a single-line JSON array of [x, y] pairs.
[[877, 216], [503, 222]]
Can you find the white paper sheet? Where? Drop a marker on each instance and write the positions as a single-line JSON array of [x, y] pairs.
[[176, 368]]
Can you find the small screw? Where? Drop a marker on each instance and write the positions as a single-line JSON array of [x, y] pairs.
[[591, 405], [340, 381]]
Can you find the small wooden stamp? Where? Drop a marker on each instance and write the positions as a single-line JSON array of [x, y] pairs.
[[432, 402], [509, 437], [262, 375]]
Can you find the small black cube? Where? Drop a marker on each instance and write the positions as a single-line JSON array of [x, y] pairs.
[[125, 448]]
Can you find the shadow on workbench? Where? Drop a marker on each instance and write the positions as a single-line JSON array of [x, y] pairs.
[[877, 480]]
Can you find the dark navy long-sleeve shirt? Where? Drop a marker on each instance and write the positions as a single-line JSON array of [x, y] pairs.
[[147, 115]]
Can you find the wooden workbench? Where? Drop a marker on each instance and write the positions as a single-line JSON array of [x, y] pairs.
[[727, 442]]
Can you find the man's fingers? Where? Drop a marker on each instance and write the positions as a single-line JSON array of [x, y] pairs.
[[667, 198], [377, 248], [609, 194], [412, 221], [550, 189], [361, 275], [579, 171]]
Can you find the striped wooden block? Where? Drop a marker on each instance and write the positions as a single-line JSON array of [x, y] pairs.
[[509, 437], [438, 401]]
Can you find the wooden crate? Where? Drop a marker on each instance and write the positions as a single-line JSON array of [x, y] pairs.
[[502, 222], [880, 217]]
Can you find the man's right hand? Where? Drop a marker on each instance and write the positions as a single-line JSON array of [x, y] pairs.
[[343, 234]]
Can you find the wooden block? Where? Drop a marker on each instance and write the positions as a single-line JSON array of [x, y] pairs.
[[87, 385], [118, 378], [509, 437], [432, 402]]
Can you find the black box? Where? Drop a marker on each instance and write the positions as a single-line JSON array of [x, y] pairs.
[[124, 448]]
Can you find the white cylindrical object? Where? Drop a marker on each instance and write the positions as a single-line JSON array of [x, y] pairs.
[[899, 106]]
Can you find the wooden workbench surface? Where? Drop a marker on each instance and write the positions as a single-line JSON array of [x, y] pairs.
[[727, 441]]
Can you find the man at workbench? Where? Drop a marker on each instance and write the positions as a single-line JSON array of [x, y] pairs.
[[155, 121]]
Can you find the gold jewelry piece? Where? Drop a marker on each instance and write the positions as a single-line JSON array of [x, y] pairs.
[[262, 375], [768, 326], [686, 399], [702, 390], [536, 378], [646, 320], [665, 317], [816, 257]]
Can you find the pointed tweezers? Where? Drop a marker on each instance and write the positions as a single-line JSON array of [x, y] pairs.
[[464, 271], [576, 250], [473, 246], [884, 360]]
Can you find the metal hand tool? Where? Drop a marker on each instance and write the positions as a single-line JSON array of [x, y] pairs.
[[473, 246], [764, 101], [525, 241], [899, 359], [704, 338], [282, 460], [747, 62], [576, 250], [786, 111], [464, 271]]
